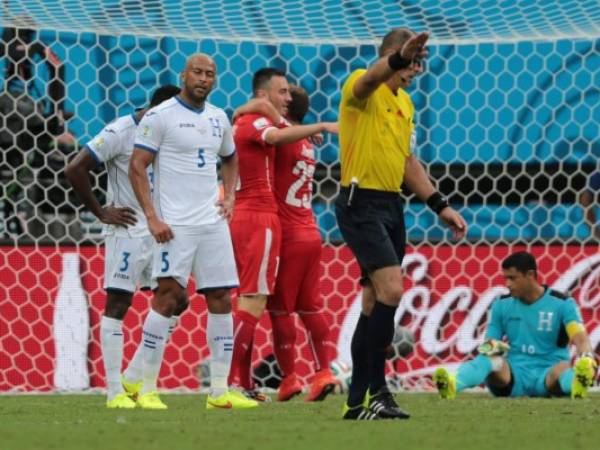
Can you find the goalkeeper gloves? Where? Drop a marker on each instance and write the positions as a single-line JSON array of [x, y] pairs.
[[493, 347]]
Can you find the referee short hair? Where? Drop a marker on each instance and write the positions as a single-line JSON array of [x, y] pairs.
[[394, 39]]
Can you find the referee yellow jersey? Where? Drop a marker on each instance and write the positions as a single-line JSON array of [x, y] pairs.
[[376, 136]]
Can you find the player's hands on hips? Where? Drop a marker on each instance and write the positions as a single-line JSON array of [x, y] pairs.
[[161, 231], [415, 47], [225, 206], [454, 221], [123, 217]]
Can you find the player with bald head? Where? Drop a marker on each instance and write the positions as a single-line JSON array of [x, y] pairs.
[[183, 138], [198, 78], [128, 260]]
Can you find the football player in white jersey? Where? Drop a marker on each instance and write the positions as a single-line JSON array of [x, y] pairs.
[[183, 138], [128, 255]]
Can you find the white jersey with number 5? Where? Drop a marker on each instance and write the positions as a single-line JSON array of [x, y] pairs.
[[113, 146], [187, 143]]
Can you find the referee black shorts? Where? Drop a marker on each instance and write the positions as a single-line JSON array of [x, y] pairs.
[[373, 228]]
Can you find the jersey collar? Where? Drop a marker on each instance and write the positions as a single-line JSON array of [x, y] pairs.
[[187, 106]]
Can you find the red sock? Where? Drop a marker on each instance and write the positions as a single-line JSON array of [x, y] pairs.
[[284, 342], [244, 325], [319, 339]]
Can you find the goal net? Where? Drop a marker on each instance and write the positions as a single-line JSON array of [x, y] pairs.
[[507, 116]]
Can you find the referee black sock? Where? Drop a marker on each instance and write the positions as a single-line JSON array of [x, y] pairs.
[[380, 335], [360, 366]]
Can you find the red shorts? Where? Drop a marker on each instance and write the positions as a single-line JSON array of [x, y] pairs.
[[256, 241], [297, 287]]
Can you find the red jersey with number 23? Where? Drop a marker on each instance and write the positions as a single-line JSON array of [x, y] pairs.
[[256, 162], [294, 169]]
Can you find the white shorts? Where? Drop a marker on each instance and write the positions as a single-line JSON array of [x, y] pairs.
[[128, 263], [204, 251]]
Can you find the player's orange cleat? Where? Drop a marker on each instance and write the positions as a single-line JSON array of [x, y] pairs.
[[289, 387], [323, 384]]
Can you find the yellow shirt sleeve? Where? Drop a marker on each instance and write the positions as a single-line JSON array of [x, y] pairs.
[[574, 328], [348, 90]]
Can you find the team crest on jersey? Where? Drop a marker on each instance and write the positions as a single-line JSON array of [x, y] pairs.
[[99, 142], [545, 320], [260, 123], [146, 131]]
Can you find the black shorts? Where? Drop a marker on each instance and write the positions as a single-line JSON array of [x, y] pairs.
[[373, 228]]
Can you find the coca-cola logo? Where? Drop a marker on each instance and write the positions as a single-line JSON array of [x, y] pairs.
[[428, 318]]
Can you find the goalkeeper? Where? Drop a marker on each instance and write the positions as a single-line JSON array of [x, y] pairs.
[[539, 324]]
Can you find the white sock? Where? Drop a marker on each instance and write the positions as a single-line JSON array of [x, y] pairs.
[[111, 342], [172, 325], [133, 373], [219, 335], [154, 341]]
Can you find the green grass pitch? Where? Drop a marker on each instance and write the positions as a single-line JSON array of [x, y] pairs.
[[473, 421]]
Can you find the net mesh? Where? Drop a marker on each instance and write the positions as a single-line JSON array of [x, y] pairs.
[[507, 123], [316, 21]]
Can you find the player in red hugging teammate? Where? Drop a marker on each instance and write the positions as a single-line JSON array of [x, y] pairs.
[[297, 285], [255, 228]]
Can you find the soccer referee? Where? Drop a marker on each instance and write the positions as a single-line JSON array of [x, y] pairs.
[[377, 140]]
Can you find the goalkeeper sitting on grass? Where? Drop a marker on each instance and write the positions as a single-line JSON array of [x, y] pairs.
[[539, 324]]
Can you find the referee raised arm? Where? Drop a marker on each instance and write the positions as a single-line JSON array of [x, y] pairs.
[[377, 139]]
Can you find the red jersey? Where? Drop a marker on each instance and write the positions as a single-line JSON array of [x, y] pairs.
[[294, 168], [257, 169]]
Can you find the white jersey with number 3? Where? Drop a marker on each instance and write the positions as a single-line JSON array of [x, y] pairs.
[[187, 143], [113, 146]]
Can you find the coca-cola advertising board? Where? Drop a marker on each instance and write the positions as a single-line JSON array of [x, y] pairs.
[[448, 291]]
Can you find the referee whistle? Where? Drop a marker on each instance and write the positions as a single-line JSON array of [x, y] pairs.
[[353, 185]]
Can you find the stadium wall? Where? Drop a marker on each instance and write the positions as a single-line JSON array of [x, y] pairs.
[[445, 305]]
